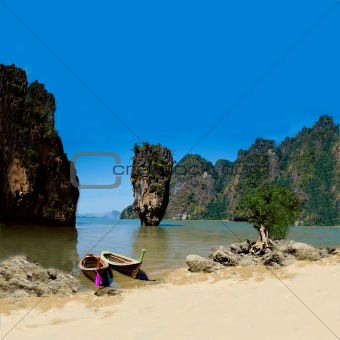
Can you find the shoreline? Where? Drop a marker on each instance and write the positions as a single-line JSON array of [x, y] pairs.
[[235, 302]]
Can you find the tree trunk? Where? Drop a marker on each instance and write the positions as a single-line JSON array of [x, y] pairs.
[[262, 242]]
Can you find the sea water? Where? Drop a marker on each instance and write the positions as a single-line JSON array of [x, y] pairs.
[[166, 245]]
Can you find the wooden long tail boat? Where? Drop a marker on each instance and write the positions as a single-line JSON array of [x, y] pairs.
[[123, 264], [92, 265]]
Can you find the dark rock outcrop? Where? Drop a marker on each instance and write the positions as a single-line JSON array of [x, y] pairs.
[[34, 170], [282, 253], [226, 257], [198, 263], [20, 278], [110, 291], [150, 178]]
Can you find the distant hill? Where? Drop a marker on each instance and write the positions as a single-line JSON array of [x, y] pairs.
[[129, 213], [110, 214], [309, 163]]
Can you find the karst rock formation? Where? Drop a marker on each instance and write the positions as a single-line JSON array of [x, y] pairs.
[[150, 178]]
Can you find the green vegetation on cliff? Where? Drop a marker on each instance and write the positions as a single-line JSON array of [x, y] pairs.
[[158, 165], [128, 213], [34, 170], [150, 178], [309, 164], [193, 184]]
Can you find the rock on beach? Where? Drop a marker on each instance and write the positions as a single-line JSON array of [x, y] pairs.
[[20, 277], [281, 253], [198, 263]]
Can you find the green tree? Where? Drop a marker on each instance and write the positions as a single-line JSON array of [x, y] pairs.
[[271, 209]]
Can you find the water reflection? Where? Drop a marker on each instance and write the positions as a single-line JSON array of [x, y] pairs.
[[156, 242], [50, 246], [166, 245]]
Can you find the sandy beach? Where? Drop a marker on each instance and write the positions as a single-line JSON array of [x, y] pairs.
[[301, 301]]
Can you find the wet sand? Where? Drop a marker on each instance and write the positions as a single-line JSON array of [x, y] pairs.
[[301, 301]]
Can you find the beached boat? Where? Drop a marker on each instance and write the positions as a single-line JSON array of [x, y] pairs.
[[123, 264], [93, 265]]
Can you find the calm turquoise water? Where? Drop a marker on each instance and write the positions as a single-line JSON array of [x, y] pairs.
[[167, 245]]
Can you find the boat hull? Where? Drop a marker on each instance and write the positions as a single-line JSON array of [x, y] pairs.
[[122, 264], [88, 264]]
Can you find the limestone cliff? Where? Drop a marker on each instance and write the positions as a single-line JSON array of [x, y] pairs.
[[150, 178], [308, 163], [34, 170], [252, 168], [192, 186], [128, 213]]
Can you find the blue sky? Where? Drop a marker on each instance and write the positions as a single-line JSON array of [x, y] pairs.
[[170, 70]]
